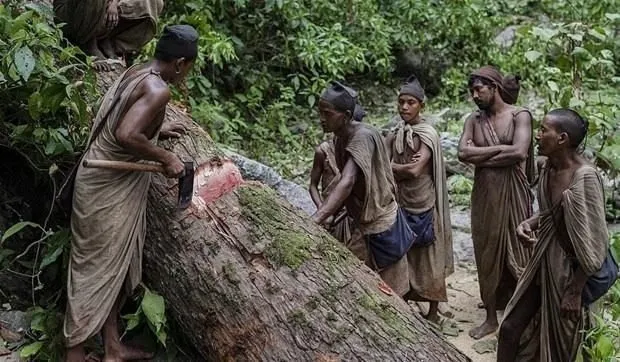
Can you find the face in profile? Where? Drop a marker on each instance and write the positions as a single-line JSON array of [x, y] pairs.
[[409, 107], [183, 66], [332, 120], [483, 95], [547, 138]]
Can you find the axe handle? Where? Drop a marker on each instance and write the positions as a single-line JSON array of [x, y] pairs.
[[122, 165]]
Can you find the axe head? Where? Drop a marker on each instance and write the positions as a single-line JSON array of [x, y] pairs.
[[186, 186]]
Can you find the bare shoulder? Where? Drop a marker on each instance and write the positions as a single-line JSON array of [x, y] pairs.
[[155, 91], [521, 115]]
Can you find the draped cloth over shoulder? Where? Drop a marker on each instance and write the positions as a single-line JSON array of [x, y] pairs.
[[501, 199], [374, 208], [108, 223], [428, 266], [582, 227], [85, 20]]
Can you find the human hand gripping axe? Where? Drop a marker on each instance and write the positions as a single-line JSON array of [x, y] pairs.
[[186, 181]]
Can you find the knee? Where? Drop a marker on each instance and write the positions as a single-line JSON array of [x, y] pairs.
[[509, 331]]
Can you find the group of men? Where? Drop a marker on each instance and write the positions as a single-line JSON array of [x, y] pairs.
[[386, 199]]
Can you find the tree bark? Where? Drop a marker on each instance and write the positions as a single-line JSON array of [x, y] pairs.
[[249, 277]]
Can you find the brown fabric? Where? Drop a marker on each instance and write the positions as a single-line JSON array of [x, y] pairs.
[[108, 224], [331, 173], [508, 86], [428, 266], [375, 212], [582, 210], [501, 199], [85, 20]]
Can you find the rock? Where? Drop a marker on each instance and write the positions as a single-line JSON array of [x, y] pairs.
[[505, 39], [15, 320], [292, 192], [485, 346]]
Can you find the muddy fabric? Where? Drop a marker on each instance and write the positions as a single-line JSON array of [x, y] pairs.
[[501, 199], [108, 224], [389, 246], [428, 266], [413, 88], [375, 212], [177, 41], [85, 20], [340, 96], [579, 224], [508, 86]]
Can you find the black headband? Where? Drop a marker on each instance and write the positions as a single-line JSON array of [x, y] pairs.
[[178, 41]]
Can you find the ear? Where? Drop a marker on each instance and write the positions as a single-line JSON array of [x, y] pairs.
[[563, 138]]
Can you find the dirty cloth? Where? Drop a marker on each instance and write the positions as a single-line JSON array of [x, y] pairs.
[[428, 266], [501, 199], [571, 231], [108, 223], [375, 210], [86, 20]]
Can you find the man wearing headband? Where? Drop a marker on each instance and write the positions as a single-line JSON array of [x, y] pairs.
[[418, 166], [108, 221], [497, 139], [571, 265], [366, 188], [107, 28]]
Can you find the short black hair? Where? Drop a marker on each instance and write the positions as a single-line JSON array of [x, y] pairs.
[[571, 123], [485, 81]]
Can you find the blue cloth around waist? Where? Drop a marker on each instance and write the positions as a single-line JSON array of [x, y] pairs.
[[423, 227], [389, 246]]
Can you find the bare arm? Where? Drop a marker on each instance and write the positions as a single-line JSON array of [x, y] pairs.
[[343, 189], [517, 152], [388, 140], [415, 167], [469, 153], [315, 176], [132, 131]]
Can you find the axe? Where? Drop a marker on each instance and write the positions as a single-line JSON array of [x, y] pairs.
[[186, 181]]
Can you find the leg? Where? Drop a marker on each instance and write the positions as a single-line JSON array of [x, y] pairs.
[[490, 324], [107, 46], [433, 312], [76, 354], [513, 326], [114, 350]]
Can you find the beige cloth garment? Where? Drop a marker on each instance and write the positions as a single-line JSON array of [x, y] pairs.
[[375, 211], [501, 199], [108, 223], [86, 20], [581, 212], [428, 266]]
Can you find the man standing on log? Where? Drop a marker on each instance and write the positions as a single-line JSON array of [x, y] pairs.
[[497, 139], [418, 166], [570, 246], [108, 221], [366, 187], [107, 28]]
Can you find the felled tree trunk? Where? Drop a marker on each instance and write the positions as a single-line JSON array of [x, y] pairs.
[[248, 277]]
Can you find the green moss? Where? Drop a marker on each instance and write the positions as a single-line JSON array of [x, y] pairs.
[[298, 318], [312, 303], [230, 273], [397, 327]]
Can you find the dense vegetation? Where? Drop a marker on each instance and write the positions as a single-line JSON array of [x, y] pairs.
[[262, 66]]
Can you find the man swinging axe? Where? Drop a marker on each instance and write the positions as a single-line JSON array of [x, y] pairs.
[[108, 219]]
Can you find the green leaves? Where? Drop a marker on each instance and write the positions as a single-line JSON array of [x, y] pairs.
[[154, 309], [532, 55], [24, 62], [30, 350], [17, 228]]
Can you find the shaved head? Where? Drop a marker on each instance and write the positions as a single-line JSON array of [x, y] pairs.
[[570, 122]]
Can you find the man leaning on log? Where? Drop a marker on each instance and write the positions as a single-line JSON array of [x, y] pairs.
[[571, 248], [366, 188], [497, 139], [108, 221], [108, 28], [418, 166]]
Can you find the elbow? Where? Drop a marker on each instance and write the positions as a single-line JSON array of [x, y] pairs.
[[521, 156], [347, 185], [462, 156], [125, 139]]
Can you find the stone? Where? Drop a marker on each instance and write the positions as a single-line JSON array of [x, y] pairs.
[[505, 39], [15, 320]]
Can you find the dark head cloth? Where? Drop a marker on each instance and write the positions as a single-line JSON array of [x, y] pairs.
[[508, 86], [413, 88], [340, 96], [178, 41], [359, 113]]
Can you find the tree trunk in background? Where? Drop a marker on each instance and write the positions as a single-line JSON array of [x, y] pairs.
[[249, 277]]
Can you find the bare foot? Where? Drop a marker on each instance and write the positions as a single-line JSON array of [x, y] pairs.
[[433, 317], [127, 353], [484, 329]]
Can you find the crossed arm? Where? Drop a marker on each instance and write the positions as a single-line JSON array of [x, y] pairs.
[[337, 197], [415, 167], [497, 155]]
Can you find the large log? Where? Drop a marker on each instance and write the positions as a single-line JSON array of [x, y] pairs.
[[249, 277]]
